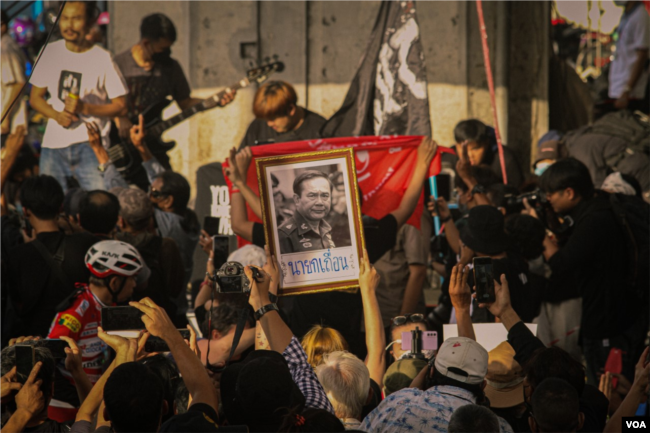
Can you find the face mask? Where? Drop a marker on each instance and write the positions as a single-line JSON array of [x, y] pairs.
[[163, 57], [541, 168]]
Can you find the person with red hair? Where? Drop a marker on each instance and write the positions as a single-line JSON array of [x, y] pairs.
[[279, 118]]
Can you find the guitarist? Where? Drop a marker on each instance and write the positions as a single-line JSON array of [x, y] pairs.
[[152, 76]]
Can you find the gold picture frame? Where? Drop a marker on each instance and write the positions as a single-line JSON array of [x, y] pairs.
[[318, 244]]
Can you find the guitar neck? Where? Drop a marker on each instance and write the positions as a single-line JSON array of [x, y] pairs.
[[211, 102]]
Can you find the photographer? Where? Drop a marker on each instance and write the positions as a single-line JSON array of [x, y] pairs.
[[594, 255]]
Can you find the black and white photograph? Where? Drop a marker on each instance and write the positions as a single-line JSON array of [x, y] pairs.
[[311, 218]]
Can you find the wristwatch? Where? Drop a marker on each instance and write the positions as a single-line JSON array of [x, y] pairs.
[[478, 189], [265, 309]]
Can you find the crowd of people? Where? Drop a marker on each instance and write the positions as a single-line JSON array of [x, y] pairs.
[[568, 250]]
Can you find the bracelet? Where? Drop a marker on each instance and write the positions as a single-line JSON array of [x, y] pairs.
[[234, 191], [205, 283], [265, 309], [445, 220]]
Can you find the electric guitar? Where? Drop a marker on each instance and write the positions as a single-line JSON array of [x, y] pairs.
[[125, 156]]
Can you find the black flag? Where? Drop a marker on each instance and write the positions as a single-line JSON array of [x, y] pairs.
[[388, 94]]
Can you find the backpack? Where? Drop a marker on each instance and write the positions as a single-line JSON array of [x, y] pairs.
[[633, 215], [625, 125]]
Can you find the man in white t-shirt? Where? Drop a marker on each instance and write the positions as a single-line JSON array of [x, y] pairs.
[[85, 87], [628, 74], [13, 79]]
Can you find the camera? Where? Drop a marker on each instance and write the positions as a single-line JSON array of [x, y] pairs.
[[230, 278], [534, 198]]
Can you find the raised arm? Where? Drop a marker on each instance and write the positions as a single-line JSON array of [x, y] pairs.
[[637, 394], [277, 332], [440, 209], [125, 351], [242, 161], [194, 375], [74, 364], [426, 152], [463, 166], [375, 334], [29, 402], [239, 221], [149, 162], [112, 178], [461, 299], [519, 336]]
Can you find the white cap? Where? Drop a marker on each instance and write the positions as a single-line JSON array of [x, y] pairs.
[[466, 355]]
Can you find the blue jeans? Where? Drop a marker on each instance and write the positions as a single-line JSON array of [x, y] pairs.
[[77, 161]]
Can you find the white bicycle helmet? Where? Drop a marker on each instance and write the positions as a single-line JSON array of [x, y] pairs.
[[108, 258]]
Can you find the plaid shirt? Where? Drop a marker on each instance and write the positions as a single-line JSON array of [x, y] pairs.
[[305, 378]]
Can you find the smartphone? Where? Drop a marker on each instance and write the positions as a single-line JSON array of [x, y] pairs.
[[444, 186], [211, 225], [429, 340], [157, 344], [221, 249], [25, 360], [484, 280], [26, 225], [121, 318], [55, 346]]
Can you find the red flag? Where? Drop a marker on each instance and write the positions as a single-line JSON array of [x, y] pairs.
[[384, 164]]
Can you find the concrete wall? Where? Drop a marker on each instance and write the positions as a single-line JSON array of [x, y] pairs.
[[321, 43]]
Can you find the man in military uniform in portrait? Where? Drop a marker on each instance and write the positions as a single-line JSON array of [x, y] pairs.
[[307, 229]]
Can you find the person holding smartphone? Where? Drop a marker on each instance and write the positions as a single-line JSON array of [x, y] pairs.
[[486, 246]]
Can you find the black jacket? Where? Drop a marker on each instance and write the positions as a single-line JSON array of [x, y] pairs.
[[595, 257]]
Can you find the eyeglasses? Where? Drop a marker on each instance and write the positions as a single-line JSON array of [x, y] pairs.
[[412, 318], [154, 193]]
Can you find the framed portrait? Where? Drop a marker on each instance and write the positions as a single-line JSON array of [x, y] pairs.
[[312, 219]]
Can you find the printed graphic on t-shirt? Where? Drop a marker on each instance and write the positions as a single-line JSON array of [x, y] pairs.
[[67, 81]]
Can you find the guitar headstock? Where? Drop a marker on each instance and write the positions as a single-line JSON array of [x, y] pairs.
[[262, 73], [259, 74]]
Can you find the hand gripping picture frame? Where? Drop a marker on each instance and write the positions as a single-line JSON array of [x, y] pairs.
[[312, 219]]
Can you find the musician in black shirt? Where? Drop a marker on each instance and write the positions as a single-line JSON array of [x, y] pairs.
[[278, 118], [152, 76]]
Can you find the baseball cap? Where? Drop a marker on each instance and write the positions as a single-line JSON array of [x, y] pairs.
[[504, 377], [551, 149], [462, 359], [401, 373], [135, 205]]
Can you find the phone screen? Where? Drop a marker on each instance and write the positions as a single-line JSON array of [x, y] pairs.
[[443, 182], [211, 225], [484, 279], [24, 361], [121, 318], [56, 347], [221, 249]]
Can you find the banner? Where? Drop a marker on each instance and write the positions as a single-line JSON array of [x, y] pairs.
[[388, 94], [384, 166]]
